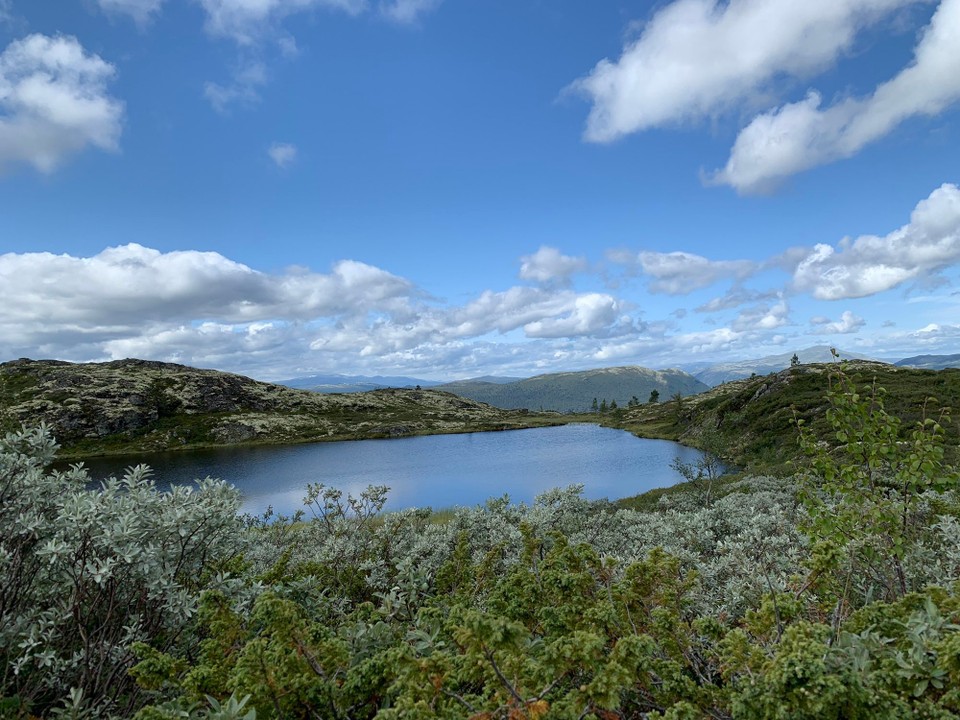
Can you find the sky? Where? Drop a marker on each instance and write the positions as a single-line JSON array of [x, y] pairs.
[[453, 188]]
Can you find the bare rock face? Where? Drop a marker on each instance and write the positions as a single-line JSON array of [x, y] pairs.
[[141, 405]]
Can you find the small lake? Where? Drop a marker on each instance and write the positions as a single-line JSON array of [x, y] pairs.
[[437, 471]]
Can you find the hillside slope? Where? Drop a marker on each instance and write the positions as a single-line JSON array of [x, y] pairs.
[[129, 406], [754, 418], [575, 391]]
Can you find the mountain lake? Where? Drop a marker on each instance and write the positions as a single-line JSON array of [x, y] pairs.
[[438, 471]]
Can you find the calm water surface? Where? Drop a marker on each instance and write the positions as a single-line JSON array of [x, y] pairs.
[[438, 471]]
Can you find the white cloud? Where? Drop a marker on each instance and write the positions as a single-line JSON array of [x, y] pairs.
[[548, 265], [929, 243], [54, 102], [244, 87], [762, 317], [538, 312], [696, 58], [932, 338], [802, 135], [407, 11], [735, 297], [204, 309], [282, 154], [679, 273], [247, 21], [590, 315], [122, 287], [848, 323], [140, 10]]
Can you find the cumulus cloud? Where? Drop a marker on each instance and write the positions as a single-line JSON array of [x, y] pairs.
[[282, 154], [870, 264], [124, 286], [536, 312], [762, 317], [802, 135], [548, 265], [407, 11], [696, 58], [678, 273], [140, 10], [203, 308], [848, 323], [54, 102], [932, 338], [246, 21], [590, 314]]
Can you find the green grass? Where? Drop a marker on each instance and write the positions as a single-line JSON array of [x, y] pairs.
[[757, 417]]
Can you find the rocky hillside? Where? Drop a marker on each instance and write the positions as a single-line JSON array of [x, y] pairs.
[[575, 391], [754, 418], [129, 406]]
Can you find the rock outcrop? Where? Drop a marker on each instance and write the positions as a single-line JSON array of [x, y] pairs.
[[140, 405]]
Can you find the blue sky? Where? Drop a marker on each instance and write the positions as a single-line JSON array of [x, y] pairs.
[[451, 188]]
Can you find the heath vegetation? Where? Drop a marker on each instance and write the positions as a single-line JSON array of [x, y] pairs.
[[826, 592]]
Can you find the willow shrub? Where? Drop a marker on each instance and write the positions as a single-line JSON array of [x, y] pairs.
[[90, 571], [841, 605]]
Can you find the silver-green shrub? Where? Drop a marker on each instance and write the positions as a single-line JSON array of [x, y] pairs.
[[89, 571]]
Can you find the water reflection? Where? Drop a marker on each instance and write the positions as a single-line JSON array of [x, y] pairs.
[[437, 471]]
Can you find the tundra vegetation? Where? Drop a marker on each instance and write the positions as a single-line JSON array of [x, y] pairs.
[[828, 593], [135, 406]]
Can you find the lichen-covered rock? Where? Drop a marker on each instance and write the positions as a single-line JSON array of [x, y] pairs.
[[142, 405]]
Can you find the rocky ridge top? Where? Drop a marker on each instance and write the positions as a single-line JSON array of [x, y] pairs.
[[141, 405]]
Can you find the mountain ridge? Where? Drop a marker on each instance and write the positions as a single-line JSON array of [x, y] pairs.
[[575, 390]]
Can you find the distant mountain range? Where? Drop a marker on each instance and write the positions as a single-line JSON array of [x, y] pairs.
[[718, 373], [931, 362], [364, 383], [576, 390], [354, 383]]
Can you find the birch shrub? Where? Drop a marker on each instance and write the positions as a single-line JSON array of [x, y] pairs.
[[88, 572]]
